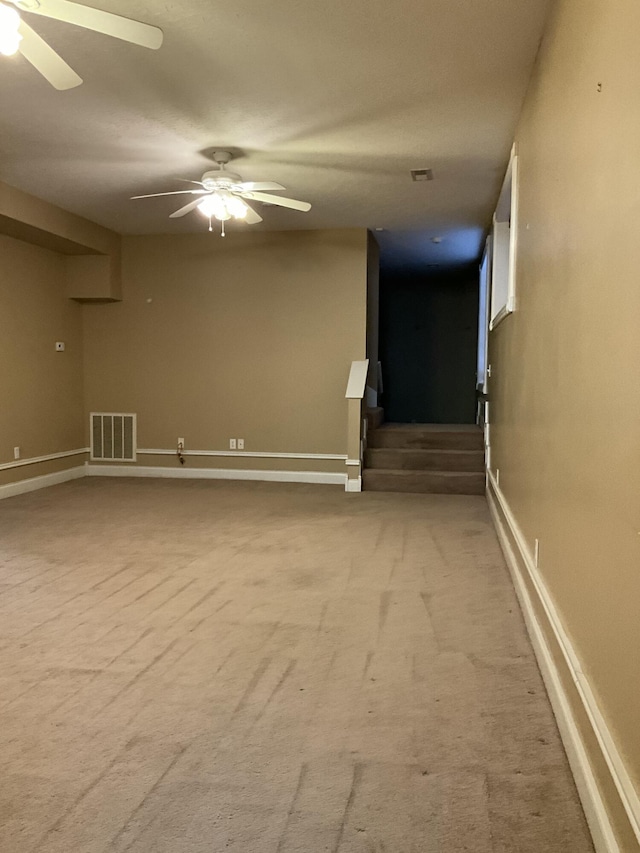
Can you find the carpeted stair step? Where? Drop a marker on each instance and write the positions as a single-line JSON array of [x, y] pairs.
[[427, 437], [374, 416], [425, 460], [432, 482]]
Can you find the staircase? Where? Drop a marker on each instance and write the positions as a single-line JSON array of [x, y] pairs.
[[437, 458]]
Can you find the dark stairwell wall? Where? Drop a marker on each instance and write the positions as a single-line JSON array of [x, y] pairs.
[[428, 346]]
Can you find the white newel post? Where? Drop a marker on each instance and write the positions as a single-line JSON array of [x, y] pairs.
[[354, 395]]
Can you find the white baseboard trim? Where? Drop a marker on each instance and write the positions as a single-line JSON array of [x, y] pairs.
[[353, 485], [10, 490], [34, 460], [596, 813], [216, 474]]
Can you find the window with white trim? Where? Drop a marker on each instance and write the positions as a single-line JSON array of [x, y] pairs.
[[504, 246]]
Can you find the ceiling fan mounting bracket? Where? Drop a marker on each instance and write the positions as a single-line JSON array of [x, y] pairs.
[[222, 157]]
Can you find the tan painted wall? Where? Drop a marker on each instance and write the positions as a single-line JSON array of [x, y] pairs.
[[40, 389], [33, 220], [565, 385], [250, 336]]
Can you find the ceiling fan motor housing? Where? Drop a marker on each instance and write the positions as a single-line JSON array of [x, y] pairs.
[[221, 179]]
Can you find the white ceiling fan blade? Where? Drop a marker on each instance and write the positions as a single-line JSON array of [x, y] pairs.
[[252, 217], [175, 192], [44, 58], [278, 200], [186, 209], [252, 186], [100, 22]]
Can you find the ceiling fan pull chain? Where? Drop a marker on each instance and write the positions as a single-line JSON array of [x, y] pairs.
[[210, 228], [222, 234]]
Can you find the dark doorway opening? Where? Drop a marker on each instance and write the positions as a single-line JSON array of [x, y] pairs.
[[428, 346]]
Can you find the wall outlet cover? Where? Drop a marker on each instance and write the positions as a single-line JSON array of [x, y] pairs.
[[59, 346]]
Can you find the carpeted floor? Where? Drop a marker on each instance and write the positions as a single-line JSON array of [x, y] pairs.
[[191, 666]]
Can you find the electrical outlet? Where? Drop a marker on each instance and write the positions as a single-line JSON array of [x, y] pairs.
[[232, 444], [241, 444], [181, 443], [536, 552], [16, 453]]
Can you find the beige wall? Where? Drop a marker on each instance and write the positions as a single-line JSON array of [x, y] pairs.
[[40, 389], [35, 221], [250, 336], [565, 385]]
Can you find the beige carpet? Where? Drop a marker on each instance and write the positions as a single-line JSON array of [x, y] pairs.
[[207, 666]]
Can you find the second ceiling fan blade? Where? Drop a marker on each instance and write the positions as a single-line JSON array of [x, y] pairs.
[[175, 192], [280, 201], [100, 22], [186, 209], [252, 217], [44, 58], [252, 186]]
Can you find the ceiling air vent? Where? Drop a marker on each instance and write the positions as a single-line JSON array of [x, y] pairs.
[[422, 175], [113, 437]]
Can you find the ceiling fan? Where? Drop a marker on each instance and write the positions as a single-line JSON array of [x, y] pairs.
[[16, 35], [223, 195]]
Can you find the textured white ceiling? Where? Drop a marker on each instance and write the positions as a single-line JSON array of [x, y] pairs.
[[336, 100]]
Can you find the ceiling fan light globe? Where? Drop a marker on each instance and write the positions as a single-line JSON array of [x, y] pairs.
[[236, 207], [10, 38], [9, 19], [9, 43], [213, 205]]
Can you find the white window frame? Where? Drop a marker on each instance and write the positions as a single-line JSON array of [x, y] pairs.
[[483, 315], [505, 246]]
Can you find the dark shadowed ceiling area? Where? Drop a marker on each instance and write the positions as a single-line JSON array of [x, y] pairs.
[[335, 100]]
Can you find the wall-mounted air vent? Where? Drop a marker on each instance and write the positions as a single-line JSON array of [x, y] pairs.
[[422, 174], [113, 436]]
